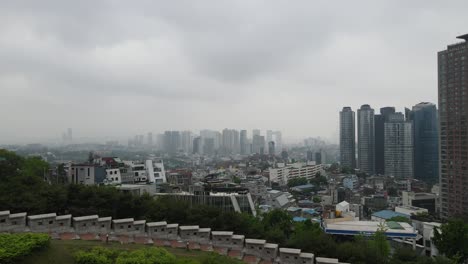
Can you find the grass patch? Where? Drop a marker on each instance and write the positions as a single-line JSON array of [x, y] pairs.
[[62, 251]]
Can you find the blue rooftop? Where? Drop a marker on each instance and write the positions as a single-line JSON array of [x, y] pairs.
[[387, 214], [293, 209], [309, 211], [299, 219], [304, 187]]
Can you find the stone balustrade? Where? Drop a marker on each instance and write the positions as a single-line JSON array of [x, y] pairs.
[[128, 230]]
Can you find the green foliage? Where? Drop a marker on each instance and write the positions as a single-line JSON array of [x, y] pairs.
[[316, 199], [452, 239], [297, 182], [150, 255], [380, 246], [214, 258], [16, 246], [146, 256], [399, 219]]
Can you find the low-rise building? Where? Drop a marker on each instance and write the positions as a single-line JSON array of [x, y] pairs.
[[283, 173]]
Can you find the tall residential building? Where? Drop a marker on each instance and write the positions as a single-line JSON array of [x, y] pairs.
[[379, 131], [244, 143], [347, 138], [150, 139], [197, 145], [366, 139], [269, 136], [255, 132], [231, 141], [271, 148], [186, 143], [426, 142], [258, 144], [278, 141], [453, 113], [172, 141], [398, 147], [318, 158]]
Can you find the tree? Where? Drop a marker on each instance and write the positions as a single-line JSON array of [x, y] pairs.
[[451, 239], [297, 181], [380, 245], [316, 199]]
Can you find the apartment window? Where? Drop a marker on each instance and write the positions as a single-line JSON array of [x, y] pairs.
[[94, 223], [162, 229], [227, 239], [84, 224], [121, 227]]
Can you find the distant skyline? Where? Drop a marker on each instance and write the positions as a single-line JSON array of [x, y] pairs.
[[120, 68]]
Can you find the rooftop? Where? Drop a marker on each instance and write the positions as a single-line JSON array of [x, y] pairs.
[[387, 214], [370, 227], [465, 37]]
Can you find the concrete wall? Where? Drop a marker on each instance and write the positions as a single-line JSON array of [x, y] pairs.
[[196, 237]]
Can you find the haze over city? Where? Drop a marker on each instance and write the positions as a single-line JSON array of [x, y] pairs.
[[115, 69]]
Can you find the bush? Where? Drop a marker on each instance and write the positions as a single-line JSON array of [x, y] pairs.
[[17, 246]]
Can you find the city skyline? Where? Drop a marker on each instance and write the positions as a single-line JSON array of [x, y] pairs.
[[154, 69]]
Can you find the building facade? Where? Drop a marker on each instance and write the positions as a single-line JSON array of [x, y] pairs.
[[366, 139], [347, 138], [453, 113], [379, 135], [398, 147], [426, 142]]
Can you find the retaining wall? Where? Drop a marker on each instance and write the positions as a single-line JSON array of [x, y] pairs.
[[128, 230]]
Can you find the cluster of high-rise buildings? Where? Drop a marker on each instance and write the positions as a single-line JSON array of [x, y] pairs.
[[391, 143], [210, 142], [421, 143]]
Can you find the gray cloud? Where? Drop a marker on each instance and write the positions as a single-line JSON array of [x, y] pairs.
[[117, 67]]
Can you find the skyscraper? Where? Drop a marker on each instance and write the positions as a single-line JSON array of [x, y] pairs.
[[366, 139], [258, 144], [453, 113], [186, 141], [398, 147], [278, 141], [347, 138], [426, 142], [379, 131], [271, 148], [243, 142]]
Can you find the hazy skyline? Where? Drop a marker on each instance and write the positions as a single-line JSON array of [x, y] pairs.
[[120, 68]]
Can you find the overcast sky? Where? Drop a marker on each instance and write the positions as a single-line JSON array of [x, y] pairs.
[[119, 68]]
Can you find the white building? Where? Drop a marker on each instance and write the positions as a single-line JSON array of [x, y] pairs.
[[151, 171], [283, 173], [410, 210], [351, 182]]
